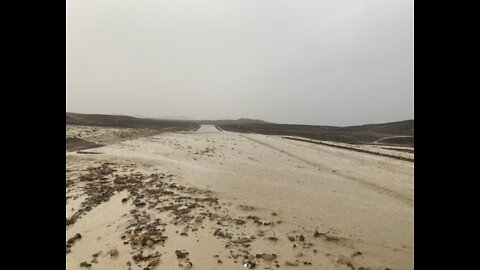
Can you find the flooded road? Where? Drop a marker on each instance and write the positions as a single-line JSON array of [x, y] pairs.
[[293, 187], [208, 128]]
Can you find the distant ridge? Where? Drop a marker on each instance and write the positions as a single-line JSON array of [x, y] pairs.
[[392, 133], [239, 121], [125, 121], [122, 120]]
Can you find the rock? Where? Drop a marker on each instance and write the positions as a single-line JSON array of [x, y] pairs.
[[219, 261], [113, 252], [239, 221], [181, 254], [301, 238], [343, 260], [140, 204], [154, 262], [249, 264], [124, 200], [270, 257], [199, 219], [289, 263], [85, 264], [241, 240], [358, 253]]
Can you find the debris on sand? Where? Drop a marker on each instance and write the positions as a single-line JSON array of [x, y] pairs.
[[289, 263], [181, 254], [139, 256], [242, 240], [271, 238], [318, 234], [238, 221], [89, 152], [98, 189], [72, 240], [187, 209], [246, 208], [218, 232]]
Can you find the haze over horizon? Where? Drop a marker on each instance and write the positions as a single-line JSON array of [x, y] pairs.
[[324, 62]]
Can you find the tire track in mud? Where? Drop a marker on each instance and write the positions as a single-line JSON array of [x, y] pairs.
[[367, 184]]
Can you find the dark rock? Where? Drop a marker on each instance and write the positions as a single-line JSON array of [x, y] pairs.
[[239, 221], [85, 264], [181, 254], [249, 264], [358, 253]]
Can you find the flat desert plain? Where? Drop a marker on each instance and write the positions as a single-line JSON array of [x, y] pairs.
[[212, 199]]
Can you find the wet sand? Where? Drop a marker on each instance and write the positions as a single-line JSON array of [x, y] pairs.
[[270, 192]]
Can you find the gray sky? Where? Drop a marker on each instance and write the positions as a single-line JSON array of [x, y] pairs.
[[326, 62]]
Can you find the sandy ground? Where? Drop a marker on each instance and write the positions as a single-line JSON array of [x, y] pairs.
[[235, 200]]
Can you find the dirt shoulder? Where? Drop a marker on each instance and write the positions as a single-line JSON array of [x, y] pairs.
[[86, 137]]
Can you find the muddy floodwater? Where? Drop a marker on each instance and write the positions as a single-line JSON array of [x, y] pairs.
[[211, 199]]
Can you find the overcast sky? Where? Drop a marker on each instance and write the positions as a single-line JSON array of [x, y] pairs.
[[326, 62]]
